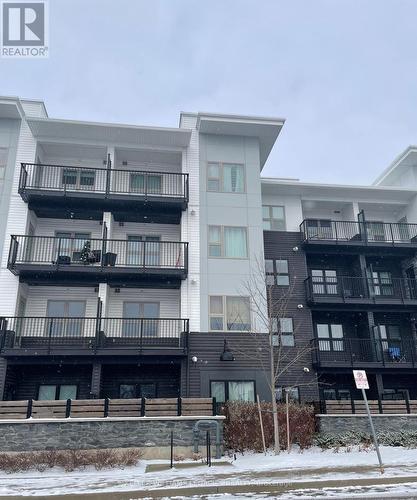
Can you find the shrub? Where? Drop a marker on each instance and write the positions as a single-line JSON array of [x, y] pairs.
[[242, 428], [69, 460]]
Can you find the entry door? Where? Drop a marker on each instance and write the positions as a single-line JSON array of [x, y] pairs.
[[62, 312], [140, 319]]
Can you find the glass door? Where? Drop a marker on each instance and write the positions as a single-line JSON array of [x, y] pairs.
[[382, 283], [140, 319]]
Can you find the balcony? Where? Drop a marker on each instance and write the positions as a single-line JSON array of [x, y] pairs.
[[359, 290], [352, 233], [53, 260], [131, 195], [92, 336], [364, 353]]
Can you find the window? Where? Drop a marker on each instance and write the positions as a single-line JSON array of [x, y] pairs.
[[273, 218], [293, 394], [284, 329], [52, 392], [71, 244], [382, 283], [232, 390], [229, 313], [66, 318], [141, 183], [277, 272], [228, 242], [4, 153], [375, 230], [324, 281], [320, 229], [335, 394], [143, 250], [390, 336], [140, 319], [143, 390], [78, 178], [225, 177], [330, 337]]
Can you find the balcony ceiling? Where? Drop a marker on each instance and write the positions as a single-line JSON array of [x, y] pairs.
[[55, 151], [107, 133]]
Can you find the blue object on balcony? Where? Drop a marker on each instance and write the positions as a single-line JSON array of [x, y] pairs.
[[394, 353]]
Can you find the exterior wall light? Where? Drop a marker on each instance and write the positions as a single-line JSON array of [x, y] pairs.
[[295, 249], [300, 306], [194, 359], [227, 354], [306, 369]]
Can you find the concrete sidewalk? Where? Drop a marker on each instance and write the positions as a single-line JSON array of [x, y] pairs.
[[275, 483]]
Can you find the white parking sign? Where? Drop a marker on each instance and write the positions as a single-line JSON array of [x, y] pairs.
[[361, 379]]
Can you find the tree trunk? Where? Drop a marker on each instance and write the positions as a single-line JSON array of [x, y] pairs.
[[273, 398]]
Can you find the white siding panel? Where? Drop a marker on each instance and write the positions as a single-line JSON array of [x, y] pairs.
[[190, 227], [16, 223], [167, 232], [169, 301], [49, 227]]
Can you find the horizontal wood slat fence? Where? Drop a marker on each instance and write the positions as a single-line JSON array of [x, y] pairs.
[[376, 406], [102, 408]]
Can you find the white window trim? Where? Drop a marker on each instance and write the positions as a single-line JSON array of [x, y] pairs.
[[224, 315], [220, 178], [222, 254]]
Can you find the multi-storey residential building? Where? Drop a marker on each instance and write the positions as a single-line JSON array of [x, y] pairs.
[[127, 249]]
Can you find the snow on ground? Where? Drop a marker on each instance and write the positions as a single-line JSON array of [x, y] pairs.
[[312, 464]]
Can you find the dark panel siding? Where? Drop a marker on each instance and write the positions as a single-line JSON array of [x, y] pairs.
[[28, 379], [166, 377]]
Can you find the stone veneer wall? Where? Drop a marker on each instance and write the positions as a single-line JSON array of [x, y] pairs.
[[339, 424], [151, 434]]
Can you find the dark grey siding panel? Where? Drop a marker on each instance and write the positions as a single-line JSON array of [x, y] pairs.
[[29, 378]]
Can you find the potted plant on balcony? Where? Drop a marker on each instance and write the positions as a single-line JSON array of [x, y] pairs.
[[86, 255]]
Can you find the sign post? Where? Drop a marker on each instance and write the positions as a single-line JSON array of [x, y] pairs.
[[361, 381]]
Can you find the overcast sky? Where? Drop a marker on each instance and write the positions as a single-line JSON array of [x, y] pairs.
[[342, 72]]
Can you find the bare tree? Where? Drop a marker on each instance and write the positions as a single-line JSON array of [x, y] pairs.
[[269, 308]]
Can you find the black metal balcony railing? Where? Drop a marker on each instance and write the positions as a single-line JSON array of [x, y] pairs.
[[93, 333], [368, 232], [357, 352], [104, 253], [359, 288], [68, 179]]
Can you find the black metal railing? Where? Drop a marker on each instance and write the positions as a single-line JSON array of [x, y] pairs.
[[367, 232], [351, 288], [93, 333], [68, 179], [354, 352], [67, 252]]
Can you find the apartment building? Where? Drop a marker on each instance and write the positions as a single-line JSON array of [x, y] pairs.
[[127, 250]]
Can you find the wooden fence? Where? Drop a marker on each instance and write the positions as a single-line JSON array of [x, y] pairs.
[[102, 408], [382, 406]]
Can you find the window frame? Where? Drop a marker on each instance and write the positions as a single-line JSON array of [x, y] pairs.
[[271, 218], [275, 274], [57, 390], [220, 178], [224, 313], [226, 388], [332, 341], [221, 242], [279, 335]]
